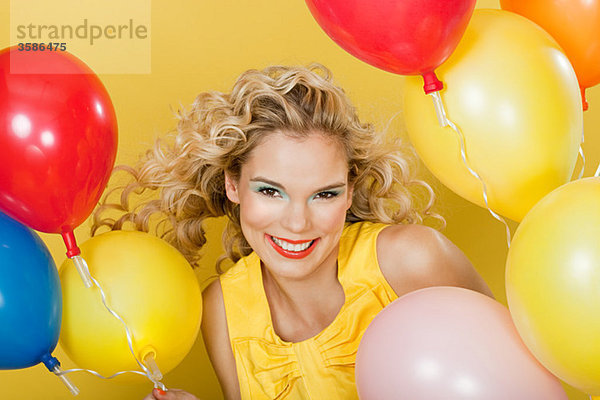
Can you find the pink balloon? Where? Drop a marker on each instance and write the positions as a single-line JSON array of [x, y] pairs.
[[449, 343]]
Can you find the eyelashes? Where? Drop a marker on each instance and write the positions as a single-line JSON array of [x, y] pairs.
[[269, 191], [327, 194], [272, 192]]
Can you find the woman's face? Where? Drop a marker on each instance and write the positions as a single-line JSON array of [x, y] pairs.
[[293, 195]]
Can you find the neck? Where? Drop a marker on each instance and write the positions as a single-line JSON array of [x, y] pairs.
[[301, 308], [299, 292]]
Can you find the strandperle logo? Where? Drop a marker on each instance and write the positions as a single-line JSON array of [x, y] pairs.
[[110, 36], [85, 30]]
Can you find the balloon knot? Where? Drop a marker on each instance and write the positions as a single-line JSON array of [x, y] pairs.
[[50, 362], [432, 83]]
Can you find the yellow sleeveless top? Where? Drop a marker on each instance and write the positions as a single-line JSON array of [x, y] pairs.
[[318, 368]]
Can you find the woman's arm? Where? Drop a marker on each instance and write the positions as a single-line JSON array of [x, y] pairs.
[[216, 339], [414, 256]]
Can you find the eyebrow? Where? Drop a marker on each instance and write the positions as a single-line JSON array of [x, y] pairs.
[[280, 186]]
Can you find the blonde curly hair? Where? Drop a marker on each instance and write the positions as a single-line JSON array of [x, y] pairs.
[[220, 130]]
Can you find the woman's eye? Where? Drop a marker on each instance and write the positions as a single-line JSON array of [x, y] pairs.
[[326, 195], [269, 192]]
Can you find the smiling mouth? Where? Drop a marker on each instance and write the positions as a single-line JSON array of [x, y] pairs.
[[295, 249]]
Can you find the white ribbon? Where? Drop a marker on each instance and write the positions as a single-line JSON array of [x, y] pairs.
[[146, 372], [444, 121]]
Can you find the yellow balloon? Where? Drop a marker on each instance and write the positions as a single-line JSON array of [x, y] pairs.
[[149, 284], [514, 95], [553, 283]]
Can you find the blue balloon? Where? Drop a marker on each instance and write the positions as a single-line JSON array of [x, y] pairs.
[[30, 298]]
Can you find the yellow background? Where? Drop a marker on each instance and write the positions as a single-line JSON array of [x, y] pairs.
[[203, 45]]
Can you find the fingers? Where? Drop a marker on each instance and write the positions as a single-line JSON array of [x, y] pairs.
[[156, 394], [150, 397], [171, 394]]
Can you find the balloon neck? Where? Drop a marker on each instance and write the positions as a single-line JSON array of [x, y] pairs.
[[149, 358], [440, 111], [50, 362], [58, 372], [73, 252], [432, 83], [71, 243], [83, 270], [585, 105]]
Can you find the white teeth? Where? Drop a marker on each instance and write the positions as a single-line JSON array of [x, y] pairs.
[[291, 247]]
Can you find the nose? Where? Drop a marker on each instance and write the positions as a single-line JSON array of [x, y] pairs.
[[297, 217]]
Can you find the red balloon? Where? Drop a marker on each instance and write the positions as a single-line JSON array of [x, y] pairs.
[[407, 37], [58, 139]]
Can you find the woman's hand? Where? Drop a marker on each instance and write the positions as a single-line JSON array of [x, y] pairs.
[[171, 394]]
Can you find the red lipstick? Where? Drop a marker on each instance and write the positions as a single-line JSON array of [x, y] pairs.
[[293, 254]]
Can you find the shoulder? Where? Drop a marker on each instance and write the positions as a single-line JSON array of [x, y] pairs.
[[214, 323], [413, 256], [212, 297], [216, 339], [416, 241]]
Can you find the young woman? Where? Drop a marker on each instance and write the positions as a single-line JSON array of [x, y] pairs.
[[322, 226]]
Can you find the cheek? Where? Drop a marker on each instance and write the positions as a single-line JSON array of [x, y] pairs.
[[255, 214], [332, 218]]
